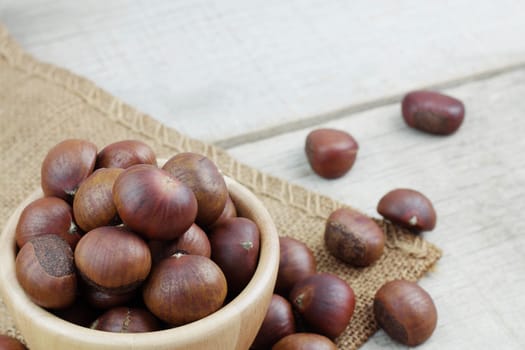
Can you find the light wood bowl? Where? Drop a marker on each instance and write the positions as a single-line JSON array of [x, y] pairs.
[[234, 326]]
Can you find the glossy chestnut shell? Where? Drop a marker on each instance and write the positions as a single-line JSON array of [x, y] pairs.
[[153, 203], [46, 272], [125, 153], [48, 215], [408, 208], [207, 183], [405, 311], [304, 341], [93, 204], [65, 166], [354, 237], [126, 320], [112, 259], [278, 323], [176, 283], [325, 302], [296, 262]]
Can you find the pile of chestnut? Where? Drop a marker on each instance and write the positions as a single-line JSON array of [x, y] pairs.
[[119, 244], [320, 305]]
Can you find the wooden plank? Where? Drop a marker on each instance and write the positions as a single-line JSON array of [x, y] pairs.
[[217, 70], [476, 180]]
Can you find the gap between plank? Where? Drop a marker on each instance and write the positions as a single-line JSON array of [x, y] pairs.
[[303, 123]]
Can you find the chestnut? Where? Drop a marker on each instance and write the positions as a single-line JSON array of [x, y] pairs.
[[101, 299], [65, 166], [184, 288], [354, 237], [125, 153], [204, 178], [408, 208], [296, 262], [235, 248], [9, 343], [45, 216], [330, 152], [405, 311], [278, 323], [112, 259], [230, 211], [46, 272], [79, 313], [432, 112], [325, 302], [153, 203], [126, 320], [93, 204], [193, 241], [304, 341]]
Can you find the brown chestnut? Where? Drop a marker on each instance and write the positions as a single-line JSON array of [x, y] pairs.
[[177, 282], [230, 211], [9, 343], [304, 341], [194, 241], [432, 112], [235, 248], [101, 299], [325, 302], [353, 237], [296, 263], [126, 320], [45, 216], [65, 166], [46, 272], [408, 208], [93, 204], [278, 323], [405, 311], [153, 203], [204, 178], [113, 259], [123, 154], [330, 152]]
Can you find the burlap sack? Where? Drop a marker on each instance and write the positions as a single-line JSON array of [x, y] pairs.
[[41, 105]]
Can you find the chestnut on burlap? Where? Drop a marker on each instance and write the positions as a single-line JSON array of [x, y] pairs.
[[40, 105]]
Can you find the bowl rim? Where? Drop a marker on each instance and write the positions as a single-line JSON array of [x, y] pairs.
[[265, 275]]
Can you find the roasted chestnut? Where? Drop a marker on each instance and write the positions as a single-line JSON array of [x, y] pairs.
[[126, 320], [93, 204], [65, 166], [113, 259], [153, 203], [296, 263], [325, 302], [304, 341], [204, 178], [123, 154], [46, 272], [408, 208], [405, 311], [353, 237], [45, 216], [278, 323], [235, 248], [185, 288]]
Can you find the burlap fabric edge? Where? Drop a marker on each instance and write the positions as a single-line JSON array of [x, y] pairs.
[[297, 212]]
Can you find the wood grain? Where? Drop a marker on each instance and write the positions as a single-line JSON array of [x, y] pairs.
[[476, 180], [216, 70]]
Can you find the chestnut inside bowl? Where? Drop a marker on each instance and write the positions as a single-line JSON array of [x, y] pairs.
[[234, 326]]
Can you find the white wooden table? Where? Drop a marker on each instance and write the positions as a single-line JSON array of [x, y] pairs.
[[256, 76]]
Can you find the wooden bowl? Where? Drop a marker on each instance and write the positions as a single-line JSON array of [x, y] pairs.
[[234, 326]]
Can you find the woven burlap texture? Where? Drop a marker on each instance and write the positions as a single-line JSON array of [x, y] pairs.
[[41, 105]]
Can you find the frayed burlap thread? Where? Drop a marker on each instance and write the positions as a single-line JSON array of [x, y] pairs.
[[41, 104]]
